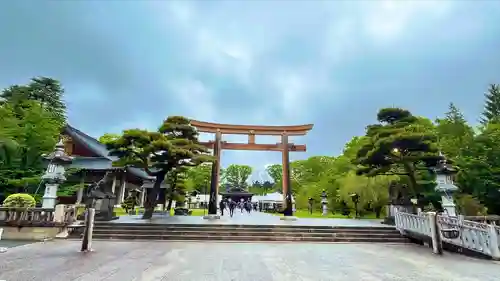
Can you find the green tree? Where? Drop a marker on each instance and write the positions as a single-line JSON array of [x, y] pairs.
[[198, 178], [177, 188], [237, 175], [26, 133], [174, 145], [479, 173], [108, 137], [454, 134], [47, 92], [275, 172], [401, 144], [372, 191], [491, 112], [258, 187]]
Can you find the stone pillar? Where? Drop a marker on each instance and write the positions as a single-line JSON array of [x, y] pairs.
[[50, 196], [89, 229], [79, 193], [59, 213], [494, 247], [121, 196], [143, 197], [214, 184], [437, 245], [287, 192], [113, 186]]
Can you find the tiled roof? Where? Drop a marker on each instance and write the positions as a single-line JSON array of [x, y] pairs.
[[104, 161]]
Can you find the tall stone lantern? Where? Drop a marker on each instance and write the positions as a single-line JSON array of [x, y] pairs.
[[445, 174], [324, 203], [54, 175]]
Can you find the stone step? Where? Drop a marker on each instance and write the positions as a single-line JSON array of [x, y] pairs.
[[246, 228], [211, 225], [243, 233], [280, 238]]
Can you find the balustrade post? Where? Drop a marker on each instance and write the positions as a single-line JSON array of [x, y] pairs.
[[494, 247], [437, 245]]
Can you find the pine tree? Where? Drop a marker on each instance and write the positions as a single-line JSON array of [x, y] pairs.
[[491, 111]]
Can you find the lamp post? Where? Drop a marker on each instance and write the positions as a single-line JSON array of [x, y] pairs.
[[324, 202], [355, 200], [54, 175], [311, 201]]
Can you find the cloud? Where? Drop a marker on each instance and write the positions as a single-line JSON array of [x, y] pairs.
[[331, 63]]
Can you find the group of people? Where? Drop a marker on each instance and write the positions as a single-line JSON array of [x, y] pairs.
[[228, 203]]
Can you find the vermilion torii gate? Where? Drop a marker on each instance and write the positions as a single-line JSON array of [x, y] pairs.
[[251, 131]]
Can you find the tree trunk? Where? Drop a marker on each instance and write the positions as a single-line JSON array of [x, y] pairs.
[[410, 169], [150, 204], [169, 206]]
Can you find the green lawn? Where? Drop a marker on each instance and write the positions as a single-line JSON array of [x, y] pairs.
[[317, 214]]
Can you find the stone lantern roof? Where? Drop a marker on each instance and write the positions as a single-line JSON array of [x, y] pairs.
[[59, 156], [443, 167]]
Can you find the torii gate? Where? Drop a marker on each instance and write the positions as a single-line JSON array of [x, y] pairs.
[[251, 131]]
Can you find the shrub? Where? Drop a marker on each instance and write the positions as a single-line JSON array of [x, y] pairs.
[[129, 203], [19, 200], [468, 205]]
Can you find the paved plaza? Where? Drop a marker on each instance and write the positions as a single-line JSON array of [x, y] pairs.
[[204, 261]]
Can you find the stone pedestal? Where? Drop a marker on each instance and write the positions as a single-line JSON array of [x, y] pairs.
[[449, 206], [59, 213], [325, 209], [50, 196]]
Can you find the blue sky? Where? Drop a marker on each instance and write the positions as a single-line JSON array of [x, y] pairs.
[[332, 63]]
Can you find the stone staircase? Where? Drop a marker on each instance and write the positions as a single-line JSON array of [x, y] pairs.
[[244, 233]]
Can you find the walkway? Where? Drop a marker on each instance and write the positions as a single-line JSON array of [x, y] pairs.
[[192, 261], [254, 218]]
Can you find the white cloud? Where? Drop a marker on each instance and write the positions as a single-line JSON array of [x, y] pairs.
[[386, 21], [195, 99]]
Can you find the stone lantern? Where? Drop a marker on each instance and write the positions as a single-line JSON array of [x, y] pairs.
[[446, 186], [355, 200], [324, 203], [54, 175], [310, 202]]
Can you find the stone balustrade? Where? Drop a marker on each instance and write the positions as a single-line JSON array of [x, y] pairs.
[[61, 215], [455, 232], [37, 223], [491, 219]]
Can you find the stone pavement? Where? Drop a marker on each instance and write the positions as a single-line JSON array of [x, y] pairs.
[[254, 218], [195, 261]]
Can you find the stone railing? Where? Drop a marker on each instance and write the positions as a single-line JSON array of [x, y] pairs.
[[419, 224], [60, 216], [23, 216], [474, 236], [492, 219], [455, 232]]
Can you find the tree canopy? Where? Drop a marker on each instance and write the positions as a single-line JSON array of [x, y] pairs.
[[237, 175], [32, 118], [174, 145]]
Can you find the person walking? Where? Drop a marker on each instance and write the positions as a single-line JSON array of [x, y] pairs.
[[222, 206], [232, 206]]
